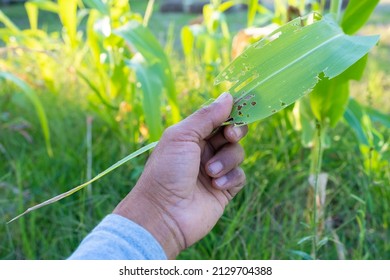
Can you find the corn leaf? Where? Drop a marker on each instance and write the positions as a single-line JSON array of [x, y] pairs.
[[377, 116], [360, 119], [31, 95], [68, 15], [356, 14], [278, 70], [187, 41], [151, 86], [329, 99], [252, 10], [142, 39], [98, 5], [45, 5], [32, 13], [353, 116], [8, 23]]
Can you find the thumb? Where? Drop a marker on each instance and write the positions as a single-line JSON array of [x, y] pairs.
[[205, 120]]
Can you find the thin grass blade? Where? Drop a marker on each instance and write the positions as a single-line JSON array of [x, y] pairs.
[[80, 187]]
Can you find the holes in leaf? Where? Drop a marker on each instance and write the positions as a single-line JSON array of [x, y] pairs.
[[249, 96]]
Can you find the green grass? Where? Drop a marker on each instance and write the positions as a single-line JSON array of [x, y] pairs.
[[267, 220]]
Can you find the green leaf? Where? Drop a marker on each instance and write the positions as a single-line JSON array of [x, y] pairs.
[[354, 115], [304, 121], [30, 94], [329, 99], [45, 5], [187, 40], [32, 13], [151, 86], [142, 39], [356, 71], [361, 122], [97, 5], [8, 23], [357, 14], [68, 15], [301, 254], [95, 90], [377, 116], [278, 70], [252, 10], [225, 6]]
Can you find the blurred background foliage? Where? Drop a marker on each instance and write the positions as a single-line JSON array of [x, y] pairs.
[[84, 83]]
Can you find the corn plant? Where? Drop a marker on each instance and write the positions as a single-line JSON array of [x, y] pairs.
[[111, 26], [109, 66], [206, 44], [276, 72], [326, 106]]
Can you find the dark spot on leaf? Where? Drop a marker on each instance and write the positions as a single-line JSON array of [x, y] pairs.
[[239, 123], [230, 120], [253, 103], [282, 104], [239, 113], [273, 111], [244, 104], [247, 116], [239, 107]]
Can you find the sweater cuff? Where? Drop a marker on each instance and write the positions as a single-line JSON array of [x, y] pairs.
[[118, 238]]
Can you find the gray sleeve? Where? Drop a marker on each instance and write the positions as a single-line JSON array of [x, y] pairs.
[[117, 238]]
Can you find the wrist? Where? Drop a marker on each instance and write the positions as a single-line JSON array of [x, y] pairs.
[[142, 209]]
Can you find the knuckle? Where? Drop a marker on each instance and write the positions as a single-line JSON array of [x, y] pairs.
[[207, 114], [171, 132], [204, 111], [180, 132]]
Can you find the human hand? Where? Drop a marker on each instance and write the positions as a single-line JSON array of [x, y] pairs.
[[189, 178]]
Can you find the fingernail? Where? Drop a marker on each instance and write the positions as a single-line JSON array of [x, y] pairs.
[[220, 182], [237, 131], [222, 96], [215, 167]]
